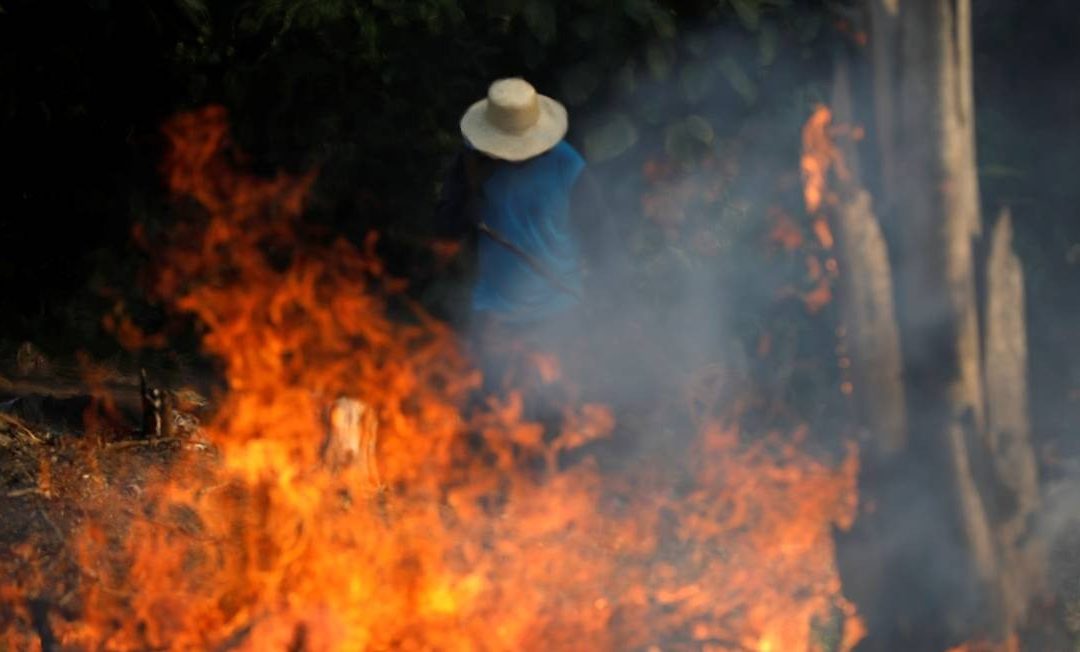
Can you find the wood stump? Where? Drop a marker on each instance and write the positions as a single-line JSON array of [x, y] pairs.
[[351, 441]]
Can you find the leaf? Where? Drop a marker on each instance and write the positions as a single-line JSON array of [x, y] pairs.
[[664, 24], [700, 129], [196, 12], [1000, 172], [738, 79], [696, 80], [610, 139], [696, 45], [625, 81], [768, 45], [749, 12], [653, 108], [541, 20], [639, 11], [659, 60], [688, 139], [579, 83]]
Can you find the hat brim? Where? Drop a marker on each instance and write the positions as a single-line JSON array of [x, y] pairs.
[[537, 139]]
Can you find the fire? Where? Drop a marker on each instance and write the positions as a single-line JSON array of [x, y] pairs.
[[1010, 645], [823, 233], [820, 158], [785, 232], [476, 536], [818, 155]]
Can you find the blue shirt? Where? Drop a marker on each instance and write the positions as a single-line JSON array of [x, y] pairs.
[[528, 203]]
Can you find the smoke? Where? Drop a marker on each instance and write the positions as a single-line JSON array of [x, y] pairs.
[[698, 293], [695, 168]]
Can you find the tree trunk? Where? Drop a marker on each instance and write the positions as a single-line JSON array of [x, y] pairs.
[[949, 538], [866, 297], [946, 568], [1008, 425], [872, 339], [937, 198], [884, 47]]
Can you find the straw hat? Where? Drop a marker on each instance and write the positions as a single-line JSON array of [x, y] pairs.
[[514, 122]]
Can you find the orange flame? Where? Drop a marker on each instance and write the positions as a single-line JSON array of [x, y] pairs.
[[481, 539], [1012, 644], [821, 157], [823, 233], [818, 154], [785, 232]]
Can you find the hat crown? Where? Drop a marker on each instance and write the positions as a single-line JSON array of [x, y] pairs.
[[513, 105], [514, 122]]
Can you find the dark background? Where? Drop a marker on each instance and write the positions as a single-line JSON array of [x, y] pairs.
[[370, 93]]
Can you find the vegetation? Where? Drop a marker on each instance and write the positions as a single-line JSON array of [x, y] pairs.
[[369, 93]]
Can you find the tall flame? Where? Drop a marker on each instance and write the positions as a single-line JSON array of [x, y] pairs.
[[480, 538]]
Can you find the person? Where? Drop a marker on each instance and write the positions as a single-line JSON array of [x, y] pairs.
[[546, 247]]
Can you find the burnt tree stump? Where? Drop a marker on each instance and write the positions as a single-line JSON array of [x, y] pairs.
[[351, 440]]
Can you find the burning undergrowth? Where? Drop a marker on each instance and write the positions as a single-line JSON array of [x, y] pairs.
[[473, 534]]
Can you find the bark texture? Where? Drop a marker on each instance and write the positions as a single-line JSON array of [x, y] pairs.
[[937, 199], [957, 494], [870, 325], [884, 19], [866, 296], [1008, 422]]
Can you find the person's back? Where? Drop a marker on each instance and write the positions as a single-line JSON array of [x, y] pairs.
[[528, 204], [537, 215]]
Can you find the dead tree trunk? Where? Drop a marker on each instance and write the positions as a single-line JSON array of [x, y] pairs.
[[868, 320], [926, 136], [942, 498], [1008, 425], [938, 197], [866, 296], [884, 18]]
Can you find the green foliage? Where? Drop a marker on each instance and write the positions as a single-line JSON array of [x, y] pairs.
[[370, 92], [740, 82], [689, 140], [408, 66], [610, 139], [749, 13]]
